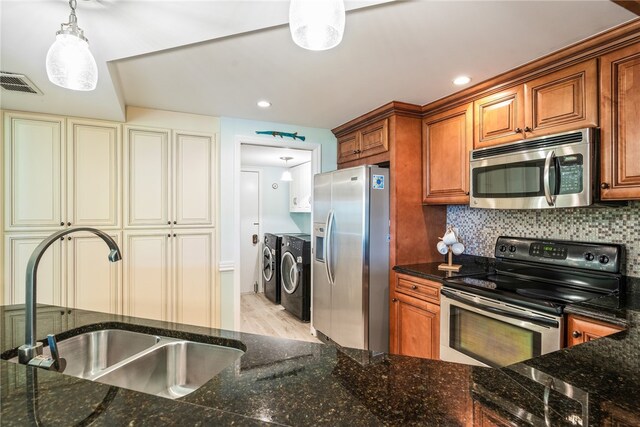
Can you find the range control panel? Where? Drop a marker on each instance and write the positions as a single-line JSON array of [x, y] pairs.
[[590, 256]]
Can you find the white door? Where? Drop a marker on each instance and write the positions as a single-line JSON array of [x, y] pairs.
[[93, 171], [249, 230], [147, 177], [147, 274], [18, 250], [193, 261], [194, 179], [93, 283], [33, 172]]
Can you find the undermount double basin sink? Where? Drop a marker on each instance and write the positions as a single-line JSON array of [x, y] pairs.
[[167, 367]]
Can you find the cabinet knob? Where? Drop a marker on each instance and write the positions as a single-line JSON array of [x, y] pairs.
[[466, 193], [169, 235], [61, 313], [576, 334], [69, 238], [174, 234], [355, 151], [62, 239], [62, 224], [175, 222], [394, 300], [69, 224], [168, 222], [604, 185], [414, 287], [528, 129], [517, 130], [359, 151]]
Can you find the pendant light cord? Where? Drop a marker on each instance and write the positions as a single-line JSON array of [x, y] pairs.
[[72, 18]]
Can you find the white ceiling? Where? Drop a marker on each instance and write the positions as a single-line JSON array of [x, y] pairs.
[[219, 57], [259, 155]]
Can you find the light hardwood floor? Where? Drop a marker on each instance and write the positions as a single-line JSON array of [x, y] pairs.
[[260, 316]]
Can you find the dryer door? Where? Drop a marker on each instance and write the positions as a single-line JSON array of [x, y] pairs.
[[289, 272], [267, 264]]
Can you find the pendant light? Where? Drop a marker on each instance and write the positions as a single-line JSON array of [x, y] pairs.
[[317, 24], [70, 64], [286, 174]]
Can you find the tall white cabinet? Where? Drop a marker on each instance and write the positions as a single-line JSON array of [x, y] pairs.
[[151, 189], [300, 188]]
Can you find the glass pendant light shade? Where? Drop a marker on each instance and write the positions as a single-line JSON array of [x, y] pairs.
[[70, 64], [317, 24], [286, 176]]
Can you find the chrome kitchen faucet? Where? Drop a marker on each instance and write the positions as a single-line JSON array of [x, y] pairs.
[[30, 353]]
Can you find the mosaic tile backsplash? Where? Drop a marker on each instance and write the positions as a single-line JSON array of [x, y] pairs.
[[479, 228]]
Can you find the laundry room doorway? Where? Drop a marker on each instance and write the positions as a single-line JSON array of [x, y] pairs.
[[273, 198]]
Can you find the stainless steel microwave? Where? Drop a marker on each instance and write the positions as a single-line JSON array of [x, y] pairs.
[[555, 171]]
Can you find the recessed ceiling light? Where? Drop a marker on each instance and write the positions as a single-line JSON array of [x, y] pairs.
[[264, 104], [461, 80]]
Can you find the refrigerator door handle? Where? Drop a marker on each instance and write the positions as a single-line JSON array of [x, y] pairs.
[[327, 247]]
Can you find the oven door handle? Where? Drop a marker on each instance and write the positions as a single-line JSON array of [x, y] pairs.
[[537, 320]]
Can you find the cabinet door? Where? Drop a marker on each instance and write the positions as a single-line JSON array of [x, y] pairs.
[[147, 177], [619, 108], [34, 155], [499, 118], [294, 187], [194, 179], [193, 296], [447, 140], [18, 250], [415, 327], [374, 138], [147, 274], [562, 101], [580, 330], [348, 147], [93, 171], [49, 320], [304, 189], [93, 283]]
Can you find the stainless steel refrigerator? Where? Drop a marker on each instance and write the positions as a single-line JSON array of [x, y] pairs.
[[351, 257]]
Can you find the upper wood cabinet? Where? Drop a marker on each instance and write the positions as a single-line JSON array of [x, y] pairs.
[[168, 182], [581, 330], [60, 172], [556, 102], [447, 138], [371, 140], [620, 110], [499, 118]]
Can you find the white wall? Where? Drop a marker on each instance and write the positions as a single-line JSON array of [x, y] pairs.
[[230, 129]]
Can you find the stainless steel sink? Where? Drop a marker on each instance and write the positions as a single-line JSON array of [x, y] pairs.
[[172, 369], [153, 364], [91, 353]]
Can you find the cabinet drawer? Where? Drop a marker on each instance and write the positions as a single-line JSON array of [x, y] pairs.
[[419, 288]]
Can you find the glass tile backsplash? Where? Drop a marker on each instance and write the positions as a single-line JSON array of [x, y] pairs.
[[479, 228]]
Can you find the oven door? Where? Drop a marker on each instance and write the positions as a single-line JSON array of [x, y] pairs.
[[544, 177], [479, 331]]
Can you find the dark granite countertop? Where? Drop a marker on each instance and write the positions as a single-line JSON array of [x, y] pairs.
[[471, 266], [289, 382]]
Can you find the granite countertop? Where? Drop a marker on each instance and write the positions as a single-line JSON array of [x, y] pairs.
[[298, 383], [471, 266]]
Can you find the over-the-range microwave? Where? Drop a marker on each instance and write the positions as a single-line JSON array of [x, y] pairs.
[[555, 171]]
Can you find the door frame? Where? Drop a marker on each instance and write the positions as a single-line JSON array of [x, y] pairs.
[[259, 172], [316, 167]]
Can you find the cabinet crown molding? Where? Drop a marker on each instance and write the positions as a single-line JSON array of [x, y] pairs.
[[387, 110]]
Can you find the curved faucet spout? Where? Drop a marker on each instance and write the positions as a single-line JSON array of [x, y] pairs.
[[31, 349]]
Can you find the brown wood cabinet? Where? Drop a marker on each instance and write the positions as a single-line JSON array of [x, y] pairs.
[[581, 329], [447, 138], [620, 124], [415, 317], [369, 141], [556, 102]]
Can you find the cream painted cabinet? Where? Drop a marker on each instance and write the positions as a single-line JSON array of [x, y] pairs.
[[169, 275], [17, 251], [93, 283], [34, 155], [56, 179], [168, 182], [93, 173], [300, 188], [74, 272]]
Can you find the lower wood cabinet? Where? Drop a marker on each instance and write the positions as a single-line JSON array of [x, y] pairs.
[[415, 318], [582, 329], [169, 275]]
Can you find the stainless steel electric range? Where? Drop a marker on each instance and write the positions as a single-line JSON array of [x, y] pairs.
[[516, 312]]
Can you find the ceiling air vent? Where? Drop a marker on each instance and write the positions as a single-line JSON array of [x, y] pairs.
[[17, 83]]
